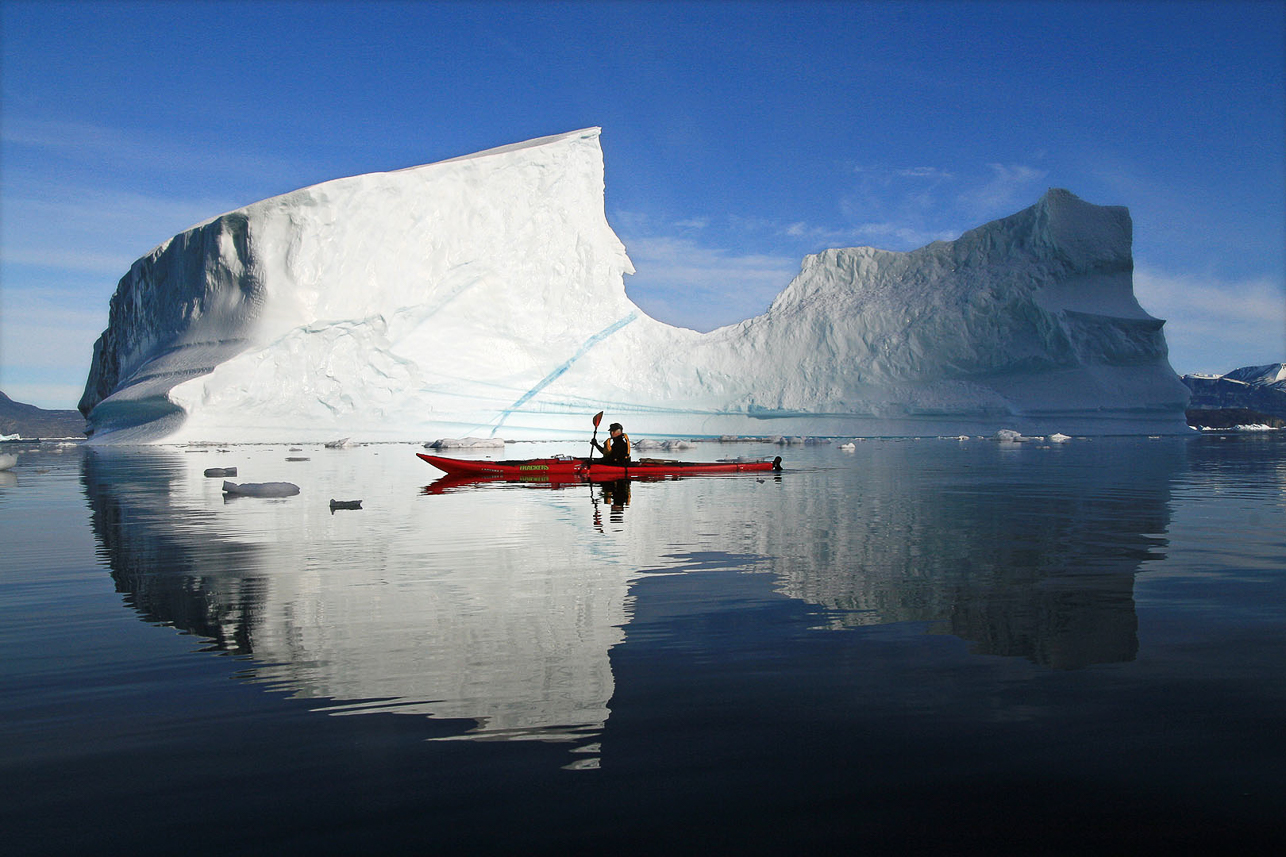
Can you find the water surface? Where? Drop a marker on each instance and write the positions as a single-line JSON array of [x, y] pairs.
[[916, 645]]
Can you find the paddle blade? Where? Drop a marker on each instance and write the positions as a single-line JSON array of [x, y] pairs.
[[598, 418]]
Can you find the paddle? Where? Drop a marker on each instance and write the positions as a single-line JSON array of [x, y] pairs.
[[598, 521], [598, 418]]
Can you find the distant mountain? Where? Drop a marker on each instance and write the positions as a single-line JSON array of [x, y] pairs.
[[1251, 395], [29, 421]]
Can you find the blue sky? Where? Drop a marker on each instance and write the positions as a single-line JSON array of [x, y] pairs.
[[738, 137]]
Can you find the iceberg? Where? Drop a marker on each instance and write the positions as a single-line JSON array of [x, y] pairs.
[[484, 296], [261, 489]]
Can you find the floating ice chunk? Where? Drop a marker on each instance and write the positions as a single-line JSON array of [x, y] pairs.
[[664, 444], [342, 443], [261, 489], [7, 461], [1009, 436], [466, 443], [345, 504], [848, 447], [1058, 437], [220, 472]]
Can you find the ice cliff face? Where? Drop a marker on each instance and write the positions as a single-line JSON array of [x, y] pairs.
[[485, 295]]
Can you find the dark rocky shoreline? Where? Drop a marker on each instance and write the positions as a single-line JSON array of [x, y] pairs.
[[31, 422]]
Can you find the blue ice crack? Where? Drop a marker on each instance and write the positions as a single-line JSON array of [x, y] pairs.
[[563, 367]]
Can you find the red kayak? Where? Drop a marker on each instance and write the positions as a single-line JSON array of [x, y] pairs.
[[567, 468]]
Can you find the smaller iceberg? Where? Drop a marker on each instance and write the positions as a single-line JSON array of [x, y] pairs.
[[261, 489]]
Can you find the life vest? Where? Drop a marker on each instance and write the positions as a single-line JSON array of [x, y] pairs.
[[616, 449]]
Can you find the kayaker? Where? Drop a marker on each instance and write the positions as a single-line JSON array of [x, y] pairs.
[[616, 449]]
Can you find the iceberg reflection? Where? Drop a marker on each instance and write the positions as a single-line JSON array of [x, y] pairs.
[[403, 606], [500, 605], [1021, 550]]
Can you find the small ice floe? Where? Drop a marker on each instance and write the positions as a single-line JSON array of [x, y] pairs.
[[7, 461], [668, 445], [466, 443], [342, 443], [345, 504], [1058, 437], [220, 472], [848, 447], [297, 458], [1010, 436], [261, 489]]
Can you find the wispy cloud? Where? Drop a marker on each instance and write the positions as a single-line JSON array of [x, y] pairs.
[[88, 198], [1010, 186], [94, 229], [902, 208], [86, 145], [1216, 325], [79, 203], [888, 235], [46, 344], [687, 275], [683, 282], [922, 173]]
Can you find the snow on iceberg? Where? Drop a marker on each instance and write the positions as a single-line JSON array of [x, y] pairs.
[[484, 296]]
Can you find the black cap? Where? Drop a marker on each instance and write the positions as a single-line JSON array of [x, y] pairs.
[[615, 426]]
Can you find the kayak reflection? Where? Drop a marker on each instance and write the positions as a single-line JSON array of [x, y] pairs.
[[609, 487]]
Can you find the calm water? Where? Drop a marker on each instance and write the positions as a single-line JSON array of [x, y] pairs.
[[918, 646]]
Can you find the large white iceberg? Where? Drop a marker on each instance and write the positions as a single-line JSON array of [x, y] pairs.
[[484, 297]]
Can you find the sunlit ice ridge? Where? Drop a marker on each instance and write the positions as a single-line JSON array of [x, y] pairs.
[[484, 296]]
